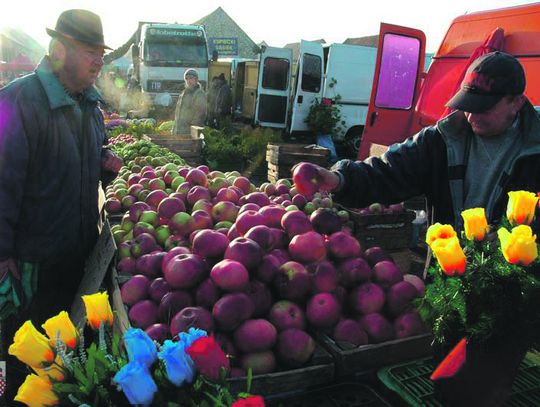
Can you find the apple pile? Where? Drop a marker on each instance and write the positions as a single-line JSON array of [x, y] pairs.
[[378, 208], [208, 249], [122, 138]]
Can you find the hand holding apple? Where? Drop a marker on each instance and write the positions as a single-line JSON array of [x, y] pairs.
[[110, 161], [310, 178]]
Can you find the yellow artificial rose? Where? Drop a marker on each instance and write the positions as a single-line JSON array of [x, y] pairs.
[[521, 207], [37, 391], [438, 231], [475, 223], [61, 325], [98, 309], [31, 347], [518, 247], [54, 371], [450, 255]]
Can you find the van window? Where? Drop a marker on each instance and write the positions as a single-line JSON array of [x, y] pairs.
[[311, 73], [397, 77], [275, 73]]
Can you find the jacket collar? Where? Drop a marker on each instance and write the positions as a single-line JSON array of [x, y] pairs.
[[55, 91]]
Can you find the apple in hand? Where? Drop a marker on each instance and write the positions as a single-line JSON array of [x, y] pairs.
[[310, 178]]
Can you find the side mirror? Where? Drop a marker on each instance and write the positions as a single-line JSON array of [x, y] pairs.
[[215, 55]]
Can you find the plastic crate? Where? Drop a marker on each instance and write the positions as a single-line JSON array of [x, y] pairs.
[[350, 359], [348, 394], [411, 382]]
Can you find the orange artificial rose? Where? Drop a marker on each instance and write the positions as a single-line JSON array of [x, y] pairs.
[[518, 247], [98, 309], [438, 231], [521, 207], [31, 347], [450, 255], [60, 325], [475, 223]]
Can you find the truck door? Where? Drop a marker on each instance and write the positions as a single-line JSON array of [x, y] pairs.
[[396, 85], [309, 81], [273, 87]]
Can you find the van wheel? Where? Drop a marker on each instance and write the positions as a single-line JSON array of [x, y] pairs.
[[353, 139]]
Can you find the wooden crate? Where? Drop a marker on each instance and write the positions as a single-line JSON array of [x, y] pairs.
[[319, 371], [281, 157], [350, 359], [189, 149], [391, 231]]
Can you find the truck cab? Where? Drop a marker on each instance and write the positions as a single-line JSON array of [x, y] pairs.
[[163, 53], [404, 99]]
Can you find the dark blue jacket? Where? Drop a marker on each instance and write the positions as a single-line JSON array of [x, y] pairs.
[[431, 163], [50, 167]]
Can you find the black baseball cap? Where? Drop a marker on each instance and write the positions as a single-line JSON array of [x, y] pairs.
[[487, 80]]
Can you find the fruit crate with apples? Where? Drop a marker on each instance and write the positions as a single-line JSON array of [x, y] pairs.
[[188, 148], [351, 359], [319, 371], [391, 231], [281, 157]]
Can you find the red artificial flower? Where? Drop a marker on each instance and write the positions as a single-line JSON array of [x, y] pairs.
[[208, 357], [251, 401]]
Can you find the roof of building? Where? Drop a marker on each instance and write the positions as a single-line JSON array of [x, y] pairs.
[[218, 24]]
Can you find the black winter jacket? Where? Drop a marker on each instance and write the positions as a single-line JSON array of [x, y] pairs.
[[431, 163], [50, 167]]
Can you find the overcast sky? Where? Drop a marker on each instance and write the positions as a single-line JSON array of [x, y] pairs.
[[275, 21]]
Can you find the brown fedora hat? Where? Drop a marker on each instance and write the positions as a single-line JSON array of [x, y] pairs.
[[80, 25]]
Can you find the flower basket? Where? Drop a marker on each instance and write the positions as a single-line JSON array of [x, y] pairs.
[[485, 290]]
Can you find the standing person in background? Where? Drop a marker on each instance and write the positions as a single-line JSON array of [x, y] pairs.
[[213, 89], [191, 106], [51, 163], [223, 100]]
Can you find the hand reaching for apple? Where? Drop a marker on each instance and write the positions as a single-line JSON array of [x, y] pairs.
[[310, 178], [110, 161]]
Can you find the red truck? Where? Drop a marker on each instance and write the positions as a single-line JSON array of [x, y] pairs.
[[404, 99]]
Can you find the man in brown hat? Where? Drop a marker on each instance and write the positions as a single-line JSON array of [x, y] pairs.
[[51, 162]]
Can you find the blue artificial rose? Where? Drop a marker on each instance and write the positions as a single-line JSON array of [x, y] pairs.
[[187, 338], [140, 347], [180, 368], [136, 383]]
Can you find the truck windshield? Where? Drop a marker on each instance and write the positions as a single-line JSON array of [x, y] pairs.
[[175, 53]]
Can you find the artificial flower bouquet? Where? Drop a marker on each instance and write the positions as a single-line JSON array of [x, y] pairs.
[[114, 371], [485, 289]]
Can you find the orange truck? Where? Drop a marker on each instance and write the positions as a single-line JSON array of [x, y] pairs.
[[404, 99]]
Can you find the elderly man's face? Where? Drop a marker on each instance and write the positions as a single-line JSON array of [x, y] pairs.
[[83, 62], [497, 119]]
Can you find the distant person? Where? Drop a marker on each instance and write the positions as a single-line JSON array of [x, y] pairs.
[[51, 162], [223, 102], [213, 89], [191, 106]]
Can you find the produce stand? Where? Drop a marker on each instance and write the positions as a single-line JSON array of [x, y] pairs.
[[350, 359], [281, 157], [410, 381]]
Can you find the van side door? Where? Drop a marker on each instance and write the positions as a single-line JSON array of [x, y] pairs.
[[309, 83], [273, 88], [396, 85]]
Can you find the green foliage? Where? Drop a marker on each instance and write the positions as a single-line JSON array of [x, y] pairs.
[[226, 150], [325, 118], [492, 301]]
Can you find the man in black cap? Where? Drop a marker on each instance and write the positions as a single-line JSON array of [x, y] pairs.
[[488, 146], [51, 162]]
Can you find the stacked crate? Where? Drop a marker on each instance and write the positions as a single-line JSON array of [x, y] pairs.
[[281, 157]]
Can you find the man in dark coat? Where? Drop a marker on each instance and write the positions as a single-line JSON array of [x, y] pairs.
[[191, 105], [51, 163], [222, 107], [488, 146]]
